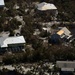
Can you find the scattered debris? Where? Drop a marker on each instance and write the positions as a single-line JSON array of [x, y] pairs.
[[16, 7]]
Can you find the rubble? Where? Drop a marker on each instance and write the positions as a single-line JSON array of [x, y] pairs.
[[16, 7]]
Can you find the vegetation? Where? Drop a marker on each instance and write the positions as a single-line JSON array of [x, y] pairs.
[[40, 54], [66, 10]]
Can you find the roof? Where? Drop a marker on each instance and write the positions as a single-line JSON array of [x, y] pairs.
[[67, 69], [4, 42], [60, 32], [66, 31], [46, 6], [2, 3], [65, 64]]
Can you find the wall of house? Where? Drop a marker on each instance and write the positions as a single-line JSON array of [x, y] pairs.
[[1, 6], [13, 48]]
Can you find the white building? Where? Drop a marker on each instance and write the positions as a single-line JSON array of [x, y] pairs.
[[2, 3], [66, 65], [47, 7], [12, 43]]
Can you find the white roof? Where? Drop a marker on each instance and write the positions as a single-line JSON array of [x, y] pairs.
[[4, 42], [65, 64], [66, 31], [67, 69], [46, 6], [2, 3]]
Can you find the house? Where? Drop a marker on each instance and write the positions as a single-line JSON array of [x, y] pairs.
[[2, 3], [12, 43], [67, 67], [47, 8], [64, 33]]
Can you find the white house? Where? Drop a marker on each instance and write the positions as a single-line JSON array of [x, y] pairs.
[[46, 6], [2, 3], [5, 42], [49, 7], [12, 43]]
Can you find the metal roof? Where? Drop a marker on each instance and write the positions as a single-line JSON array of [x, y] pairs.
[[45, 6], [67, 69], [2, 3], [66, 31], [4, 42], [65, 64]]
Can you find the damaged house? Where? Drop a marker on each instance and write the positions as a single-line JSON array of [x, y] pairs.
[[62, 35]]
